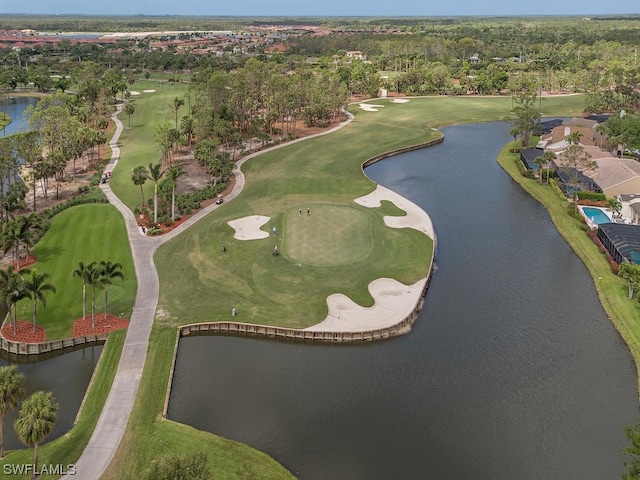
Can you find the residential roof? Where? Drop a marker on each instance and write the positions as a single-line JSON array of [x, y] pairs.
[[614, 171], [582, 122], [569, 176], [559, 134], [629, 197], [528, 157], [549, 125], [626, 239]]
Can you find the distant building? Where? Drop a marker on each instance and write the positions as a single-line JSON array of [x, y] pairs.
[[357, 54]]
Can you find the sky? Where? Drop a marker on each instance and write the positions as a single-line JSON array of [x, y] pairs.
[[322, 7]]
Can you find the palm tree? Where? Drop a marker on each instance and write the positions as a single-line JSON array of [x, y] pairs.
[[11, 390], [177, 103], [36, 420], [614, 204], [155, 173], [129, 109], [81, 272], [574, 137], [109, 271], [139, 176], [549, 157], [94, 280], [631, 273], [34, 287], [12, 290], [172, 175], [27, 224], [540, 161]]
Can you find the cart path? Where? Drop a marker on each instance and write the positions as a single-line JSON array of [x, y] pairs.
[[114, 417]]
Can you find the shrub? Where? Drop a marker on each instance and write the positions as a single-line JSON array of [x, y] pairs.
[[93, 196], [593, 196]]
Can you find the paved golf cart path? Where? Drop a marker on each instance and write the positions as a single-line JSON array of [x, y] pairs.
[[114, 417]]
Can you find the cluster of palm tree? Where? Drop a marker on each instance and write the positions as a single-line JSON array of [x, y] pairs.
[[18, 284], [97, 276], [18, 232], [36, 418], [140, 175]]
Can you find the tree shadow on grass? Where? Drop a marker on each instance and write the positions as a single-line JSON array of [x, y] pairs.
[[47, 253]]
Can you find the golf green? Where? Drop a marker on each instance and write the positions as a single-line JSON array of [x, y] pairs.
[[326, 235]]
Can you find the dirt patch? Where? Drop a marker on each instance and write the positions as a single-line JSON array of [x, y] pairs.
[[24, 332], [103, 325]]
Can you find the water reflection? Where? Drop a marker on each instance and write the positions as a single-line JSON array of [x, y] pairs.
[[66, 373], [15, 107]]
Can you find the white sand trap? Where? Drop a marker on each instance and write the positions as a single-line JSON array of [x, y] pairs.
[[368, 107], [393, 303], [248, 228], [400, 100], [415, 218], [134, 92], [149, 91]]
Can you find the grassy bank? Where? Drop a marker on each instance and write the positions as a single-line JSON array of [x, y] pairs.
[[612, 290]]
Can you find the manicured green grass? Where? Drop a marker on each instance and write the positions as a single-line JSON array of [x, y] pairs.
[[84, 233], [138, 146], [332, 235], [323, 172], [67, 449], [612, 290], [149, 437]]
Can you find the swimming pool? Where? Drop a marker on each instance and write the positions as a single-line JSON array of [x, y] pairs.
[[596, 215]]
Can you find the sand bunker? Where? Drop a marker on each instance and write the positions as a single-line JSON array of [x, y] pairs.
[[134, 92], [148, 91], [400, 100], [415, 218], [368, 107], [394, 302], [248, 228]]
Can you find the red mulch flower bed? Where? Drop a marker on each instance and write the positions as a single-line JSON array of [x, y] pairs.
[[25, 332], [102, 325]]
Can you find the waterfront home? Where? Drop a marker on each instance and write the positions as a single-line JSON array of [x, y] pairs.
[[621, 241]]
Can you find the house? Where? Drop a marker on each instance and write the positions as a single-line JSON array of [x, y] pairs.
[[556, 141], [571, 180], [630, 207], [616, 176], [621, 241], [528, 157], [357, 54]]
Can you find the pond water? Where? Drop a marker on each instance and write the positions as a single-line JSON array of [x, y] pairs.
[[512, 370], [65, 373], [15, 107]]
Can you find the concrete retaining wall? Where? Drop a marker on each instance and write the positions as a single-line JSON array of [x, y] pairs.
[[19, 348]]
